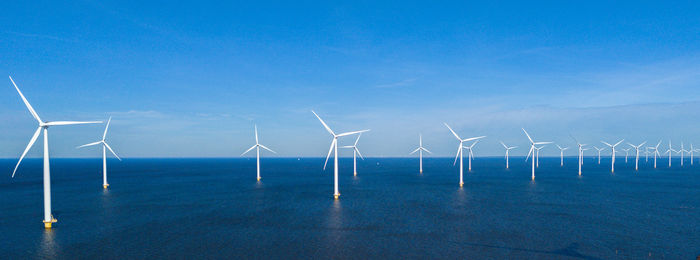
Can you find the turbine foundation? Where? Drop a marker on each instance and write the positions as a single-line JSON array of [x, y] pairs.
[[47, 224]]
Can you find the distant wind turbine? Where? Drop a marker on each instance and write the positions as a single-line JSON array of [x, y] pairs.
[[691, 153], [48, 218], [257, 147], [355, 152], [105, 146], [460, 154], [507, 152], [334, 149], [636, 150], [599, 150], [561, 154], [420, 151], [669, 152], [471, 153], [532, 150], [612, 146], [656, 152], [682, 151]]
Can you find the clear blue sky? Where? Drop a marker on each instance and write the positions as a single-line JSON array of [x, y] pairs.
[[189, 79]]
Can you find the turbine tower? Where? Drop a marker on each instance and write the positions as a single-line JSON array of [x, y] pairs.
[[561, 154], [691, 153], [460, 154], [507, 152], [532, 151], [420, 151], [257, 147], [355, 152], [612, 146], [656, 152], [105, 146], [334, 149], [537, 155], [669, 151], [636, 150], [43, 126]]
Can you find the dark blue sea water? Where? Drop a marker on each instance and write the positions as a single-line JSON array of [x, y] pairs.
[[214, 208]]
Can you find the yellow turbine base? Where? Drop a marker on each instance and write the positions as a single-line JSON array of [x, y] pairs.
[[461, 184], [105, 186], [335, 196], [47, 224], [259, 178]]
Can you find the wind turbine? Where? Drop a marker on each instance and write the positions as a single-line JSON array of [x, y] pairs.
[[599, 150], [682, 151], [612, 146], [460, 154], [532, 151], [537, 155], [656, 152], [355, 152], [420, 150], [105, 146], [334, 149], [44, 126], [669, 153], [627, 153], [471, 153], [636, 149], [646, 154], [507, 152], [580, 154], [257, 147], [561, 154], [691, 154]]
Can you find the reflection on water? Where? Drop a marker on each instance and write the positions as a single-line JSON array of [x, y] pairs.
[[48, 247]]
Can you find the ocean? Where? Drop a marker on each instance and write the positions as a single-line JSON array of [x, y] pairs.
[[215, 208]]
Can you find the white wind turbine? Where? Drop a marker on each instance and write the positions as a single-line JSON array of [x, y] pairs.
[[334, 149], [580, 154], [460, 154], [471, 153], [537, 155], [691, 153], [561, 154], [105, 146], [257, 147], [612, 146], [669, 152], [532, 151], [636, 149], [355, 152], [627, 153], [599, 150], [656, 152], [682, 151], [420, 150], [48, 218], [507, 152], [646, 154]]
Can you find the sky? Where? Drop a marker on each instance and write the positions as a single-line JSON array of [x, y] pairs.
[[191, 78]]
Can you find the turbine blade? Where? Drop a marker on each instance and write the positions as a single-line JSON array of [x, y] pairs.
[[529, 153], [31, 142], [106, 127], [352, 133], [55, 123], [607, 144], [619, 142], [256, 134], [110, 149], [504, 145], [416, 150], [324, 123], [427, 151], [264, 147], [473, 138], [90, 144], [453, 132], [249, 149], [459, 150], [358, 139], [528, 135], [329, 154], [360, 154], [26, 103]]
